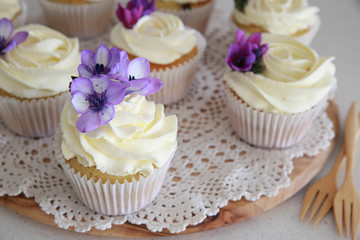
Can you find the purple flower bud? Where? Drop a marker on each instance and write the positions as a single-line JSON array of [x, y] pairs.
[[134, 10]]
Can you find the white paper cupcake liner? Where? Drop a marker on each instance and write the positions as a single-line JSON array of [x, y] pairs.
[[78, 20], [305, 39], [117, 198], [197, 17], [269, 130], [35, 117], [21, 18], [177, 79]]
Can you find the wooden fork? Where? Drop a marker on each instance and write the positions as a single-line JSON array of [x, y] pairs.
[[347, 200], [322, 192]]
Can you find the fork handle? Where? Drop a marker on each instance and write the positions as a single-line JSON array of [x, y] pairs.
[[351, 125]]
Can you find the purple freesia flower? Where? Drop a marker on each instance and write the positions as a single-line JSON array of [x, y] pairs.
[[135, 75], [8, 42], [246, 54], [94, 98], [103, 62], [134, 10]]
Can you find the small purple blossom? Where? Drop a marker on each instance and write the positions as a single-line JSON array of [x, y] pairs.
[[246, 54], [134, 10], [103, 62], [8, 42], [94, 98]]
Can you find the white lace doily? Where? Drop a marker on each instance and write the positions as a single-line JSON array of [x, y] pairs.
[[211, 166]]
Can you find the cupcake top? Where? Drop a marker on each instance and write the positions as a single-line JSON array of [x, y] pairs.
[[40, 66], [9, 9], [139, 138], [281, 17], [293, 77], [160, 37]]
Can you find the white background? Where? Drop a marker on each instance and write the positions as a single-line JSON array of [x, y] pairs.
[[339, 36]]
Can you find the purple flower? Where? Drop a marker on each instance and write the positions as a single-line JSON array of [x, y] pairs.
[[135, 75], [103, 62], [134, 10], [258, 50], [94, 98], [6, 41]]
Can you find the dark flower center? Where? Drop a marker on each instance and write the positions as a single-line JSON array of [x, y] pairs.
[[99, 68], [131, 77], [97, 101], [2, 42]]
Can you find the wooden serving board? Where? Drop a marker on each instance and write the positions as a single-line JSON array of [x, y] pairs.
[[305, 168]]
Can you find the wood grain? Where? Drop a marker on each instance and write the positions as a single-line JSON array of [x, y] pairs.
[[305, 168]]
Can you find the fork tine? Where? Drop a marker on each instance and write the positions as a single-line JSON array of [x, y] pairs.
[[308, 199], [318, 201], [347, 215], [338, 210], [355, 221], [325, 208]]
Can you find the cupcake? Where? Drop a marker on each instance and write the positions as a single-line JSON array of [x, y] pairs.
[[116, 146], [78, 18], [14, 10], [34, 78], [172, 49], [275, 88], [194, 13], [293, 18]]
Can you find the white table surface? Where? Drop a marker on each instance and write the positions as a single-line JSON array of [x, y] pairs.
[[339, 36]]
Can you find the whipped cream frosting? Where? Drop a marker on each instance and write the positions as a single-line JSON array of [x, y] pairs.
[[281, 17], [295, 78], [42, 65], [160, 37], [139, 137], [9, 9]]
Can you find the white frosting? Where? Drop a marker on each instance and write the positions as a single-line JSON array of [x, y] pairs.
[[295, 78], [183, 1], [42, 65], [278, 16], [159, 37], [139, 136], [9, 9]]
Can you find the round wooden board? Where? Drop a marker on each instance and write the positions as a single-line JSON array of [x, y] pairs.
[[305, 168]]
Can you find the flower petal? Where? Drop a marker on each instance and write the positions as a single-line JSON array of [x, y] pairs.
[[106, 114], [124, 63], [114, 63], [84, 71], [102, 55], [80, 102], [255, 38], [139, 68], [88, 121], [115, 93], [101, 84], [6, 28], [88, 58], [20, 37], [10, 46], [240, 37], [144, 86], [83, 85]]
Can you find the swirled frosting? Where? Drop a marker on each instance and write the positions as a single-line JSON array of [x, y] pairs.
[[9, 9], [42, 65], [139, 137], [160, 37], [295, 78], [281, 17]]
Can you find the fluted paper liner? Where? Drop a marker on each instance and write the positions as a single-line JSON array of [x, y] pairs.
[[305, 38], [33, 117], [196, 17], [177, 79], [78, 20], [269, 130], [117, 198]]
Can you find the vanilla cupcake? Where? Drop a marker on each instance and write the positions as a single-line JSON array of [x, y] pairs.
[[116, 146], [293, 18], [14, 10], [34, 79], [78, 18], [172, 50], [194, 13], [275, 106]]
